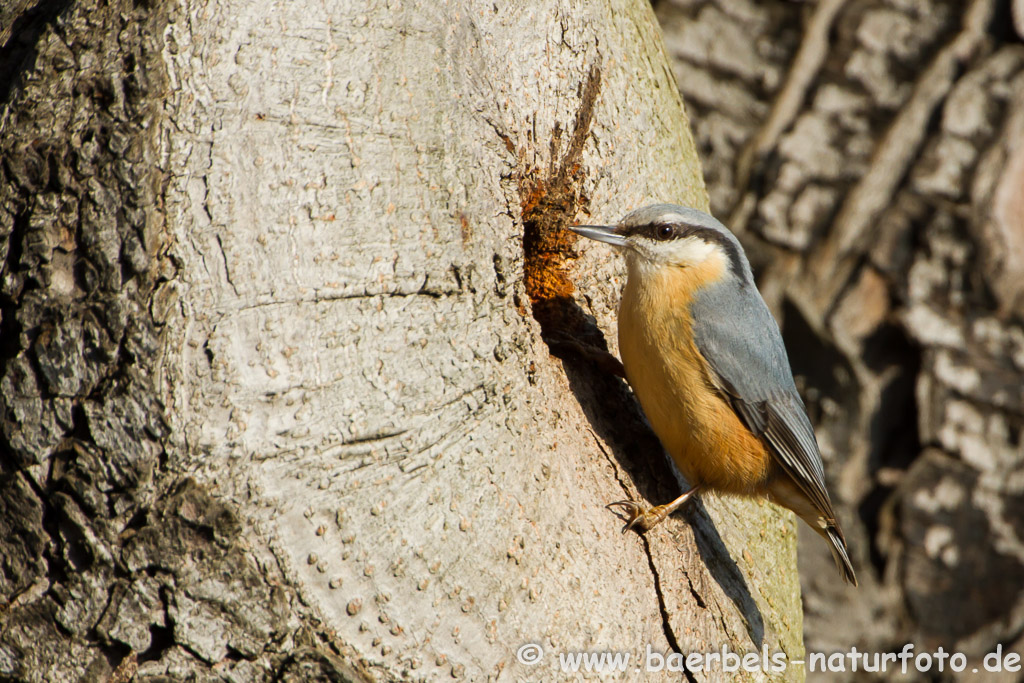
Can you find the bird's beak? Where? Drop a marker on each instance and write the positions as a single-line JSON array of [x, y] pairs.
[[601, 233]]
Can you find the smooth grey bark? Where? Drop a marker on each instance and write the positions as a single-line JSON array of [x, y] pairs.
[[871, 154], [277, 397]]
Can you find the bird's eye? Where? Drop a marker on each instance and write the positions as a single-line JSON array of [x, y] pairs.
[[665, 232]]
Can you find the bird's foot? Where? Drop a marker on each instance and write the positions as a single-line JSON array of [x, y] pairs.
[[643, 518], [640, 516]]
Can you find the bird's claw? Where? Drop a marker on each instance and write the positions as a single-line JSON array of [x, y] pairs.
[[639, 516]]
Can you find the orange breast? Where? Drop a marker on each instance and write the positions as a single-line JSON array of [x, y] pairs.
[[698, 428]]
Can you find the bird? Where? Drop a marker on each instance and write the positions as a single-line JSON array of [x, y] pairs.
[[706, 360]]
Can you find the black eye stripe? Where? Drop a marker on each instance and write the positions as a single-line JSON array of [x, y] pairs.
[[681, 231], [665, 231]]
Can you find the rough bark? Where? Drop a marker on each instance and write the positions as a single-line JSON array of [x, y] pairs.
[[871, 155], [113, 561], [277, 402]]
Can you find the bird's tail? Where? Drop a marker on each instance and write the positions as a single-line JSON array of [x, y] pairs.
[[786, 493], [837, 544]]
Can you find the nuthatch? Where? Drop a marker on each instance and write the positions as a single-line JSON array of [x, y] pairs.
[[705, 358]]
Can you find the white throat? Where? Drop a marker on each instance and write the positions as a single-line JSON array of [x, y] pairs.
[[644, 254]]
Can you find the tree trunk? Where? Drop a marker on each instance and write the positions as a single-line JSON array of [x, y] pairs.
[[277, 401], [871, 155]]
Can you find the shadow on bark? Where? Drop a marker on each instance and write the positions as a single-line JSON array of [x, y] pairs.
[[20, 32], [616, 419], [551, 200]]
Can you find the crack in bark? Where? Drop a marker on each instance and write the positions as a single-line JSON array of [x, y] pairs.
[[317, 297], [371, 438], [666, 622], [227, 268]]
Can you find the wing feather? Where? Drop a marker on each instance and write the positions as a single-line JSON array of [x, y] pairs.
[[741, 342]]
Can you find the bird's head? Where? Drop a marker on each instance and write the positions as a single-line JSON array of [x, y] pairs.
[[670, 236]]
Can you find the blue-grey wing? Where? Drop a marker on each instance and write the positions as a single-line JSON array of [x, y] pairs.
[[737, 335]]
